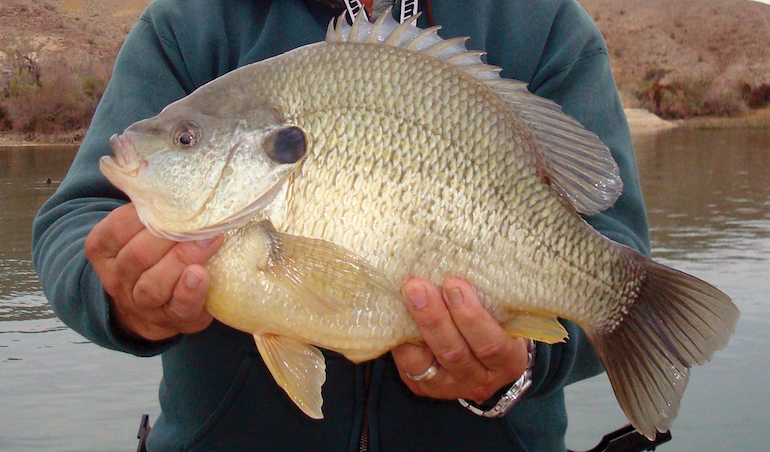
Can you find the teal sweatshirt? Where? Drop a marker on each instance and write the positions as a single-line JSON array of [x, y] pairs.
[[216, 394]]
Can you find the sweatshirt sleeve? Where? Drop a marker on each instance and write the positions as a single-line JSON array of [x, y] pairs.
[[574, 70], [148, 74]]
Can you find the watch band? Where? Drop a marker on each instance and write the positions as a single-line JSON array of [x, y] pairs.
[[512, 395]]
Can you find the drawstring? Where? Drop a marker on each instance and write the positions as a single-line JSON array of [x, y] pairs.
[[408, 9]]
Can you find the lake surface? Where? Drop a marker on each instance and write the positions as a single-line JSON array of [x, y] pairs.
[[708, 200], [708, 196], [58, 391]]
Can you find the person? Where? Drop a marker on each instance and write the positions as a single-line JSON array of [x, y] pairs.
[[122, 288]]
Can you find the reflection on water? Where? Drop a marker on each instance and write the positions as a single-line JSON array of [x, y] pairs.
[[708, 194], [59, 392], [708, 197], [708, 200], [28, 176]]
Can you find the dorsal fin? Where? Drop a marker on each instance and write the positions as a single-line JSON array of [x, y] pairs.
[[578, 164]]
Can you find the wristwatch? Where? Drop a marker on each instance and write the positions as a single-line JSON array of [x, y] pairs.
[[509, 398]]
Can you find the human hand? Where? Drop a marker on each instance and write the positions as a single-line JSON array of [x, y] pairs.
[[476, 357], [157, 286]]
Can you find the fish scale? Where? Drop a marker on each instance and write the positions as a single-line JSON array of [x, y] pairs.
[[341, 169]]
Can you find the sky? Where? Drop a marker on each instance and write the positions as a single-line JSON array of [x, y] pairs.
[[762, 1]]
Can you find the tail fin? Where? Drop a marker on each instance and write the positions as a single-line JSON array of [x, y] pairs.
[[676, 322]]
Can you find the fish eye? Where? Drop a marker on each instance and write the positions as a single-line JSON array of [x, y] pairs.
[[186, 134]]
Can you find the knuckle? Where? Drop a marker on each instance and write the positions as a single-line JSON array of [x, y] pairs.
[[112, 284], [177, 309], [490, 350], [186, 307], [410, 361], [147, 294], [455, 357], [142, 256], [471, 315], [183, 254], [429, 321]]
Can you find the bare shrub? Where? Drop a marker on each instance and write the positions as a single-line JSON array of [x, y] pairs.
[[52, 94], [756, 97]]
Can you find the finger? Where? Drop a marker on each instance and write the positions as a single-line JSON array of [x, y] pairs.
[[111, 234], [438, 329], [184, 313], [414, 360], [488, 341], [186, 310], [140, 254], [154, 287]]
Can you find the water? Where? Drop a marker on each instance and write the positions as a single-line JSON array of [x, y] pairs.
[[708, 198], [58, 392], [708, 195]]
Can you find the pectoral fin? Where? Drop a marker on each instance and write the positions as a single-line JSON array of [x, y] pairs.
[[539, 328], [325, 277], [299, 368]]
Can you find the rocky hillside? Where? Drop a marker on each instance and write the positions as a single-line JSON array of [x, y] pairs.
[[677, 58], [688, 54], [97, 27]]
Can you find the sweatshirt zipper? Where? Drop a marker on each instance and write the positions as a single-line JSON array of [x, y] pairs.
[[363, 442]]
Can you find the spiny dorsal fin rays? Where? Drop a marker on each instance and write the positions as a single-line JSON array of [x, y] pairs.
[[446, 47], [402, 31], [482, 71], [420, 43], [471, 58], [386, 31], [358, 33], [377, 28], [578, 164], [331, 32]]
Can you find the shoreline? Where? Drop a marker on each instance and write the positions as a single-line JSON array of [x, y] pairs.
[[640, 121]]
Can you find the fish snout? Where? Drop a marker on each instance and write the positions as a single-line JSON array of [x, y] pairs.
[[126, 156]]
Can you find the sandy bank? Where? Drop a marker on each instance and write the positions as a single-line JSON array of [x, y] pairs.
[[642, 121]]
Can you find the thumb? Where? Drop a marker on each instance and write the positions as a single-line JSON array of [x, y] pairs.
[[186, 311]]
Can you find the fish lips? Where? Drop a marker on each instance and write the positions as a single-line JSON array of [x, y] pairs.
[[126, 160]]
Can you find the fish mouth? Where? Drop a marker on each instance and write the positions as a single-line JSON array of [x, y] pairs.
[[126, 160]]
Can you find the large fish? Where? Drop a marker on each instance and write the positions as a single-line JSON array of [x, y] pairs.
[[342, 168]]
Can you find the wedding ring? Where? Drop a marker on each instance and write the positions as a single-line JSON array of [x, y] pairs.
[[427, 375]]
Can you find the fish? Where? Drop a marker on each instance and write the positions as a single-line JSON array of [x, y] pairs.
[[338, 170]]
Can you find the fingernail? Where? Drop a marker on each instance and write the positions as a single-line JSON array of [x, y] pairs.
[[454, 296], [192, 279], [416, 294]]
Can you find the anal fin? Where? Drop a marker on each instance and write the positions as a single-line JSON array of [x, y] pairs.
[[536, 327], [298, 368]]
